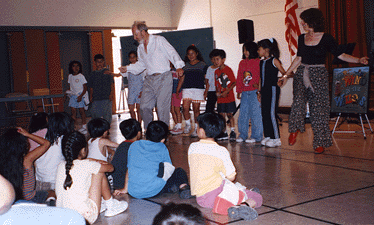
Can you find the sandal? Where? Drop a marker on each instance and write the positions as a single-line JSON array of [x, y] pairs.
[[242, 212]]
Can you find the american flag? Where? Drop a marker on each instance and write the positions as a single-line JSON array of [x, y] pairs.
[[293, 30]]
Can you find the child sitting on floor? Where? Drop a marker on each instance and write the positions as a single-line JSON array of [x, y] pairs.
[[212, 173], [132, 131], [150, 168], [99, 144], [81, 182]]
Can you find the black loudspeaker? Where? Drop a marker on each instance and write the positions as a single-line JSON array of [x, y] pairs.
[[246, 32]]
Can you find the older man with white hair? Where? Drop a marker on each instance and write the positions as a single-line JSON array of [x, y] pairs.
[[154, 55]]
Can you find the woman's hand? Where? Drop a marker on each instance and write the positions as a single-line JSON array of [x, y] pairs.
[[238, 95]]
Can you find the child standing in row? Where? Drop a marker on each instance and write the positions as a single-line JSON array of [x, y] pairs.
[[192, 81], [210, 92], [210, 165], [78, 93], [135, 89], [225, 83], [269, 68], [99, 145], [81, 183], [247, 88], [176, 98]]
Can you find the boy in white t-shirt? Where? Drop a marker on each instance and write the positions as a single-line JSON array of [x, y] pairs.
[[78, 93]]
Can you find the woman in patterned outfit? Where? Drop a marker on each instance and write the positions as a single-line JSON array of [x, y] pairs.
[[311, 80]]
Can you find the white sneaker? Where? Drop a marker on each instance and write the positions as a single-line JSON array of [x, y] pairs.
[[194, 133], [103, 205], [250, 140], [273, 143], [239, 140], [176, 130], [115, 207], [263, 142], [187, 129]]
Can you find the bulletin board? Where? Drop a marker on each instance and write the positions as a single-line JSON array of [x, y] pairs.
[[350, 90]]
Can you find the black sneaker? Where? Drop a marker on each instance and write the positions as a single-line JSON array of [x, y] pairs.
[[232, 136], [222, 136]]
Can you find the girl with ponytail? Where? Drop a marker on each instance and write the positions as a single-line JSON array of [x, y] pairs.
[[269, 90], [81, 183]]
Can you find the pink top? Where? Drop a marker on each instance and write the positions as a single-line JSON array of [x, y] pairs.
[[40, 133], [248, 74]]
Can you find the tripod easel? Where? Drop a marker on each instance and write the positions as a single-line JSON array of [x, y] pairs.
[[351, 131]]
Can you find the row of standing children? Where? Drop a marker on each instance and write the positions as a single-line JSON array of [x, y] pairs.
[[257, 86]]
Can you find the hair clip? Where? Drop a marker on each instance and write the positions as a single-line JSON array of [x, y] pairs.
[[271, 40]]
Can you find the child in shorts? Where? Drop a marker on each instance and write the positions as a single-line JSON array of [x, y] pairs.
[[225, 82], [78, 93], [176, 99]]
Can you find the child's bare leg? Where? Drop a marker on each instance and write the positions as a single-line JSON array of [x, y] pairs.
[[138, 113], [186, 109], [173, 114], [177, 111], [196, 110], [96, 188], [105, 189], [83, 115], [132, 111], [73, 114], [251, 203], [231, 118]]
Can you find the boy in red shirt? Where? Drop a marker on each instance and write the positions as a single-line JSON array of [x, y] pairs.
[[225, 82]]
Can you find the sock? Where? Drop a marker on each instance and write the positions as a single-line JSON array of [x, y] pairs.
[[179, 125], [188, 122], [233, 129]]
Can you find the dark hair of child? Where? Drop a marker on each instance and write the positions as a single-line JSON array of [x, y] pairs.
[[252, 48], [71, 146], [314, 18], [179, 214], [211, 123], [221, 53], [97, 127], [213, 52], [38, 121], [130, 128], [156, 131], [98, 56], [196, 50], [71, 66], [133, 52], [272, 46], [59, 123], [13, 148]]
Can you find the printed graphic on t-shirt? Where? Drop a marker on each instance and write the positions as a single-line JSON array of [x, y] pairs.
[[77, 80], [247, 77], [224, 80]]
